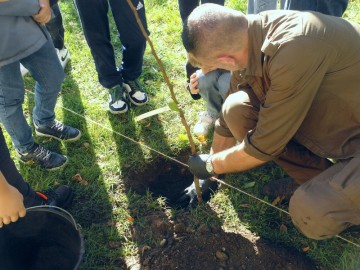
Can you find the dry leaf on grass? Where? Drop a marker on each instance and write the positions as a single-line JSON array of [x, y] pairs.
[[278, 200], [283, 228], [144, 248], [130, 219], [306, 249], [114, 244], [77, 178]]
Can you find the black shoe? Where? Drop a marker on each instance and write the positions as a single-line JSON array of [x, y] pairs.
[[188, 198], [135, 92], [117, 100], [60, 197], [45, 158], [58, 131], [284, 187]]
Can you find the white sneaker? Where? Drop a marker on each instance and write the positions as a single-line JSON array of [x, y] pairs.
[[64, 56], [23, 70], [204, 124]]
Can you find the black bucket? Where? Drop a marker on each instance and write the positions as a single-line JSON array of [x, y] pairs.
[[46, 238]]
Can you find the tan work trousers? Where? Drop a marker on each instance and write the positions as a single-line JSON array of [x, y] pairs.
[[327, 201]]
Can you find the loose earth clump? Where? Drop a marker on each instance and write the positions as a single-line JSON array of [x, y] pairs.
[[182, 242]]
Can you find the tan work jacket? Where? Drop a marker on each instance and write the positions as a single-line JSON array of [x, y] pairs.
[[304, 67]]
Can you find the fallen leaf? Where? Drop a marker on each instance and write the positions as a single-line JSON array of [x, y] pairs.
[[130, 218], [77, 178], [145, 248], [278, 200], [114, 244], [201, 138], [283, 228], [306, 249]]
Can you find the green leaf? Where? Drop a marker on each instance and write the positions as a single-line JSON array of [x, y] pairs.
[[172, 105], [249, 185], [183, 137]]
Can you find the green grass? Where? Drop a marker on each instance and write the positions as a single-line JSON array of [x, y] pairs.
[[105, 152]]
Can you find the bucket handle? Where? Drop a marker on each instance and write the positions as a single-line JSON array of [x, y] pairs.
[[61, 211]]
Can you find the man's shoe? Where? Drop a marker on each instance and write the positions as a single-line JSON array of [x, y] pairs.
[[23, 70], [204, 124], [58, 131], [46, 159], [60, 197], [135, 92], [64, 56], [117, 100], [284, 187]]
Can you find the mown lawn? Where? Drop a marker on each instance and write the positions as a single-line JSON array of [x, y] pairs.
[[105, 204]]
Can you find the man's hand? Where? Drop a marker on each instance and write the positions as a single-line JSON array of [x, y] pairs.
[[197, 165], [188, 198], [44, 14], [11, 205]]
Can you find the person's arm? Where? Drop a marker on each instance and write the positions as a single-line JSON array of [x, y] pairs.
[[232, 159], [11, 203], [19, 7]]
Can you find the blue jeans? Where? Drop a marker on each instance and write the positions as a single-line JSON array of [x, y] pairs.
[[213, 89], [329, 7], [256, 6], [187, 6], [94, 19], [45, 68]]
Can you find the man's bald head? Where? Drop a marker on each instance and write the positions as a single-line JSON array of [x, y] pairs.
[[212, 28]]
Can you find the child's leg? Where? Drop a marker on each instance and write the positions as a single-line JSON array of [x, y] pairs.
[[212, 91], [48, 73], [11, 112], [213, 88]]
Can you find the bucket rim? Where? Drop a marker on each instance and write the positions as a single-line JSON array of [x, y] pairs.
[[55, 210]]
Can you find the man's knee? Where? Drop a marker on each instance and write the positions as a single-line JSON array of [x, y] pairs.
[[312, 218], [239, 114]]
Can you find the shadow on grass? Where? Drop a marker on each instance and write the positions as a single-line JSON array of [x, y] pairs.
[[92, 207]]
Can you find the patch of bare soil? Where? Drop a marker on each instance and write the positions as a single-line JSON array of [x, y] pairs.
[[182, 243], [224, 251]]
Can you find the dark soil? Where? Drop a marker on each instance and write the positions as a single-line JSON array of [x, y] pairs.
[[186, 244], [224, 251]]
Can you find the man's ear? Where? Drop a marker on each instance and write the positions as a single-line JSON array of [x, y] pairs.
[[226, 59]]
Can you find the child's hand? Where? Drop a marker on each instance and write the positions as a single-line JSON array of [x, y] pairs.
[[194, 81], [11, 203], [44, 14]]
